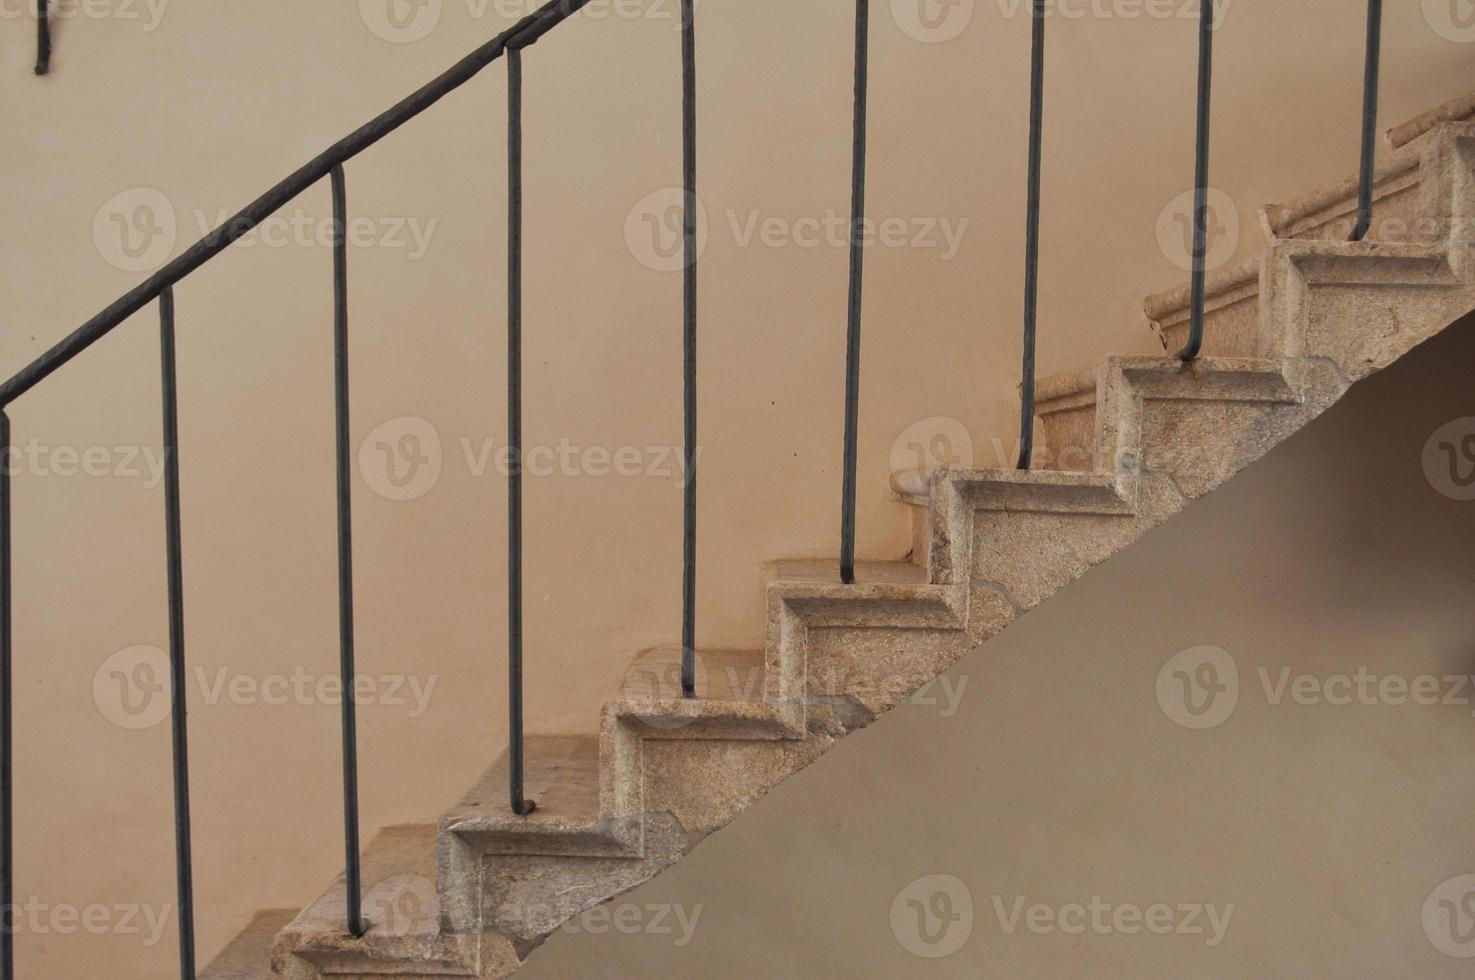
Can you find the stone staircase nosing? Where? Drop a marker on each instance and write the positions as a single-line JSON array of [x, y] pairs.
[[1132, 443]]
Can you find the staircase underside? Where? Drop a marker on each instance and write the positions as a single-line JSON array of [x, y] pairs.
[[1124, 448]]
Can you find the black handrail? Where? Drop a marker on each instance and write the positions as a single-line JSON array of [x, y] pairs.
[[1200, 256], [689, 346], [521, 805], [353, 893], [178, 698], [43, 37], [857, 269], [1032, 233], [1369, 118]]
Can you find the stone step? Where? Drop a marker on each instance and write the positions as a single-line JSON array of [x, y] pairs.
[[732, 701], [1231, 312], [1402, 195], [248, 957], [821, 572], [1070, 403], [562, 774], [1042, 490], [1330, 213], [721, 675], [886, 594], [401, 902], [1414, 193]]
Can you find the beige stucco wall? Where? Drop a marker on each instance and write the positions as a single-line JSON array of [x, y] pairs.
[[195, 108], [1042, 772]]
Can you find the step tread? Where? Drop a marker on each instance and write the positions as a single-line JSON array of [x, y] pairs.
[[561, 776], [826, 571], [911, 483], [248, 956], [734, 676], [399, 896]]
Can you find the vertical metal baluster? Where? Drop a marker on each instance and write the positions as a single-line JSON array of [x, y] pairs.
[[184, 863], [7, 721], [689, 351], [857, 269], [1201, 182], [1032, 233], [353, 881], [1369, 118], [521, 805], [43, 37]]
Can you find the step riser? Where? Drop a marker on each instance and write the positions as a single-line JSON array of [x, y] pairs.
[[1231, 322], [1066, 438]]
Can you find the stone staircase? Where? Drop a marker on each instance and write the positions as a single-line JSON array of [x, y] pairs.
[[1123, 448]]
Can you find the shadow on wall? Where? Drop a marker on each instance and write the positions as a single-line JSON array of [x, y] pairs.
[[1040, 812]]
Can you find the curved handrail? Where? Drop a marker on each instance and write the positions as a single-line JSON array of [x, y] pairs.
[[522, 34]]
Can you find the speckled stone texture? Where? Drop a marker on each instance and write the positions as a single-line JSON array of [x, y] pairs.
[[1124, 447]]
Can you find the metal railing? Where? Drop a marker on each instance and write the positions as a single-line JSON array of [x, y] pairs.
[[1369, 118], [857, 281], [160, 287], [512, 43], [1032, 232], [43, 37]]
